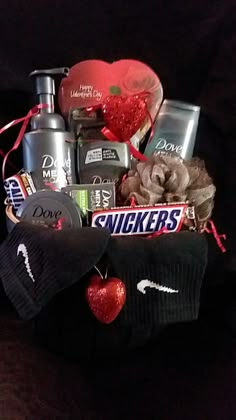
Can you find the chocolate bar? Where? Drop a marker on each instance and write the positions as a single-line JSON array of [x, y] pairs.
[[144, 220], [18, 187]]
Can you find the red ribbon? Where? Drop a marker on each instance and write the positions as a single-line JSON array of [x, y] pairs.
[[51, 186], [132, 202], [112, 137], [59, 224], [9, 162], [212, 230], [216, 235], [158, 233], [32, 112]]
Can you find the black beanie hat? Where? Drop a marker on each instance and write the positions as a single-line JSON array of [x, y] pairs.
[[36, 262], [162, 275]]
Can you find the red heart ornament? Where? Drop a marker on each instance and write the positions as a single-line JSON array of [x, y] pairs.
[[105, 297], [124, 115]]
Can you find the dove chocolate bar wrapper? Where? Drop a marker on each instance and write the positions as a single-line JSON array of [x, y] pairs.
[[146, 220], [91, 197]]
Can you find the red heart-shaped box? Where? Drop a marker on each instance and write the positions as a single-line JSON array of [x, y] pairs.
[[91, 81]]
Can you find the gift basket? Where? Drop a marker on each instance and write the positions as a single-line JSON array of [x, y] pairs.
[[110, 196]]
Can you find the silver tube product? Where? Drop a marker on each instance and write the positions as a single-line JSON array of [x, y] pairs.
[[49, 150], [175, 130]]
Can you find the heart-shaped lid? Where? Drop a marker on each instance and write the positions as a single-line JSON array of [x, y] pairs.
[[91, 81]]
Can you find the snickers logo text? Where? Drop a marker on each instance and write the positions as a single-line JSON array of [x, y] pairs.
[[141, 220], [15, 191]]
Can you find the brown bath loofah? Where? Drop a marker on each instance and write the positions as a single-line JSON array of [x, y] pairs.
[[167, 178]]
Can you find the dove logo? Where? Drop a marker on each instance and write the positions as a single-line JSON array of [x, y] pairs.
[[143, 284], [23, 250]]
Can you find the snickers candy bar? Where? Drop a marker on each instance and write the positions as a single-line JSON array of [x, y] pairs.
[[145, 220], [17, 188]]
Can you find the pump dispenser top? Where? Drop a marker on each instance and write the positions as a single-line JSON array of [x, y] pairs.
[[45, 89], [48, 149]]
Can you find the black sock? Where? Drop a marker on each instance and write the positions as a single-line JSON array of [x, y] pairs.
[[163, 276], [36, 262]]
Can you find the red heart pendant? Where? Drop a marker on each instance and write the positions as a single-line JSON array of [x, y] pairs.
[[124, 115], [106, 297]]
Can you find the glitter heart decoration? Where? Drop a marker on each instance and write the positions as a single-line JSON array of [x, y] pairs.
[[106, 297], [124, 115]]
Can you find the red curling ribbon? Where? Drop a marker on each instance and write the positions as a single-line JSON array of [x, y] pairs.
[[212, 231], [138, 155], [158, 233], [51, 186], [32, 112], [216, 235], [132, 202], [111, 137], [93, 108], [9, 162], [59, 223], [124, 178]]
